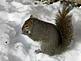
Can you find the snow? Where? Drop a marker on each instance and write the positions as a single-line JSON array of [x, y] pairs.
[[14, 46]]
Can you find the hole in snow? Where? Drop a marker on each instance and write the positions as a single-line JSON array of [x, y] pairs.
[[6, 42]]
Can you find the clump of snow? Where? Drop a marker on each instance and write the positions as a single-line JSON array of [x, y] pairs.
[[14, 46]]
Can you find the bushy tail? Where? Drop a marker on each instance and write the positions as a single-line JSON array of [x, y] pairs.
[[64, 25]]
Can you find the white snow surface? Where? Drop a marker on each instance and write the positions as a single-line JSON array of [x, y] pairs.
[[14, 46]]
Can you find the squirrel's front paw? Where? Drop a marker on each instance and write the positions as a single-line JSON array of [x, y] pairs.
[[38, 51]]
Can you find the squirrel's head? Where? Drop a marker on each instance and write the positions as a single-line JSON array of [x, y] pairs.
[[26, 29]]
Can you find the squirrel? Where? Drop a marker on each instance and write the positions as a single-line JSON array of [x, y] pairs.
[[55, 39]]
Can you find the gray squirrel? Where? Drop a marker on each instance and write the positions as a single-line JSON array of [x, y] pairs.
[[54, 39]]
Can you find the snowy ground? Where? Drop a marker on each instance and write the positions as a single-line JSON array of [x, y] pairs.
[[15, 46]]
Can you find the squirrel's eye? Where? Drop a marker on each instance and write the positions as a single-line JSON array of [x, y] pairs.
[[27, 26]]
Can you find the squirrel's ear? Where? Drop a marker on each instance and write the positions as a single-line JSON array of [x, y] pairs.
[[31, 16]]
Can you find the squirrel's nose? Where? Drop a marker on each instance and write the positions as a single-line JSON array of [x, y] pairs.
[[28, 32]]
